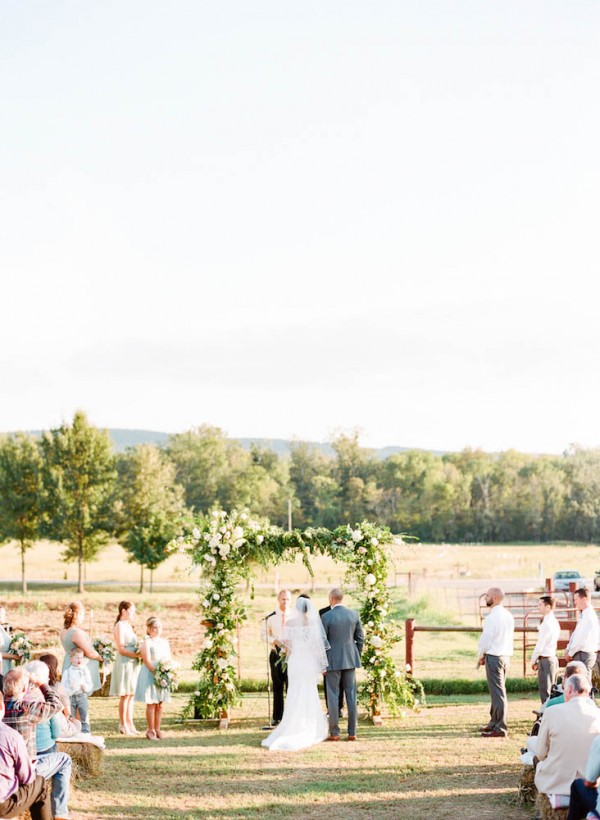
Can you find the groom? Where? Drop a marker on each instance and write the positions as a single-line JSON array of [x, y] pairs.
[[346, 638]]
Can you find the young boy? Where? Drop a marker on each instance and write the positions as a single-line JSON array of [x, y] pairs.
[[78, 682]]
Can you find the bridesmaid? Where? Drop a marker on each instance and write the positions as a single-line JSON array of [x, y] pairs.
[[125, 670], [7, 657], [73, 635], [154, 648]]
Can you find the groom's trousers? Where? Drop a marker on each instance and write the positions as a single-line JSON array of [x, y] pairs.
[[280, 682], [344, 680]]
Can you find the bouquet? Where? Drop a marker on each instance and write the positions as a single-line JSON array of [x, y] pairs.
[[166, 675], [282, 658], [20, 645], [105, 648], [136, 649]]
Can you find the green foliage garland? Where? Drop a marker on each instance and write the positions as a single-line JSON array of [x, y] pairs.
[[224, 547]]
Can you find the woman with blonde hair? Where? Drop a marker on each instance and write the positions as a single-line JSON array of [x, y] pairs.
[[153, 649], [126, 669]]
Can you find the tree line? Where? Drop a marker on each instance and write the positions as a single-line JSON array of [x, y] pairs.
[[69, 486]]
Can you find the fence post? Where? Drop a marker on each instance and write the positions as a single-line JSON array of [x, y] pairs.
[[409, 626]]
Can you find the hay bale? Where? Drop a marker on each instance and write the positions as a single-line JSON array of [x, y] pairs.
[[527, 790], [545, 810], [86, 757], [596, 675]]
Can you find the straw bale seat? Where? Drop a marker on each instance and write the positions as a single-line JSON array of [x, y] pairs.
[[545, 810], [86, 757]]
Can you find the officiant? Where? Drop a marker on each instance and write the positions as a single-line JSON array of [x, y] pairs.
[[274, 633]]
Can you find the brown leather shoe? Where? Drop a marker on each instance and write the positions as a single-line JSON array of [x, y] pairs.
[[351, 737], [333, 737], [494, 733], [486, 728]]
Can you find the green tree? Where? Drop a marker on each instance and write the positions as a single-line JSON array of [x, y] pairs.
[[355, 472], [206, 462], [308, 467], [150, 507], [20, 493], [478, 520], [79, 477], [216, 471], [583, 498]]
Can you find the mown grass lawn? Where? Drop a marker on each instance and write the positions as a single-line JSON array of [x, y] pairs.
[[427, 764]]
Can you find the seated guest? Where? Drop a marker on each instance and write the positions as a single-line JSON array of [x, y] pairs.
[[20, 787], [584, 791], [30, 701], [23, 713], [572, 668], [565, 738], [54, 683]]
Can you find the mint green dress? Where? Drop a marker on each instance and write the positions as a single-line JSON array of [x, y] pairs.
[[146, 690], [125, 670], [93, 666], [7, 664]]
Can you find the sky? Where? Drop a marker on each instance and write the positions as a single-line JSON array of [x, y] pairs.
[[294, 219]]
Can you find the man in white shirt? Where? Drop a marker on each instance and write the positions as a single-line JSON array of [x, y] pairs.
[[495, 650], [274, 634], [583, 644], [544, 660]]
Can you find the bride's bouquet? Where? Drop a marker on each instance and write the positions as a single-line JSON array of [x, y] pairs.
[[282, 658], [20, 645], [105, 648], [166, 675]]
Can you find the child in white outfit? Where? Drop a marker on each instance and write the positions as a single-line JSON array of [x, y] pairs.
[[78, 682]]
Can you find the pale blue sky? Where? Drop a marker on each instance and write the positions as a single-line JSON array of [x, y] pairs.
[[290, 218]]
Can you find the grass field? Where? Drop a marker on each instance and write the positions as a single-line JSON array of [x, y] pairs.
[[445, 561], [427, 764]]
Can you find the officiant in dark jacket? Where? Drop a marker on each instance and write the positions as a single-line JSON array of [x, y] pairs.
[[346, 638]]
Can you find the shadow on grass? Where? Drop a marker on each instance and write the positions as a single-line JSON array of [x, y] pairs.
[[312, 792]]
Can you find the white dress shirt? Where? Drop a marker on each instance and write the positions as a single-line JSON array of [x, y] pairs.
[[497, 635], [274, 627], [586, 634], [76, 677], [548, 635]]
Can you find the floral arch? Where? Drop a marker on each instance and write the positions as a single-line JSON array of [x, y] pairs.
[[226, 546]]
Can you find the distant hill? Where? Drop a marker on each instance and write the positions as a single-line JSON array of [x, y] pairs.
[[123, 439]]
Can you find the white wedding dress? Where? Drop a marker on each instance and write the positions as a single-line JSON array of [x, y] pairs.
[[304, 722]]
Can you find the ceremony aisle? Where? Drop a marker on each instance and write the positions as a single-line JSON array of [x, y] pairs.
[[430, 763]]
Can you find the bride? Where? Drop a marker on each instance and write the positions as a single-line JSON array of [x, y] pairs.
[[303, 722]]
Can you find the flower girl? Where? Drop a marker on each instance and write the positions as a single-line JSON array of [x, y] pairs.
[[153, 649]]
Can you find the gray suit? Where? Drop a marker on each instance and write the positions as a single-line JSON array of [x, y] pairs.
[[344, 633]]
